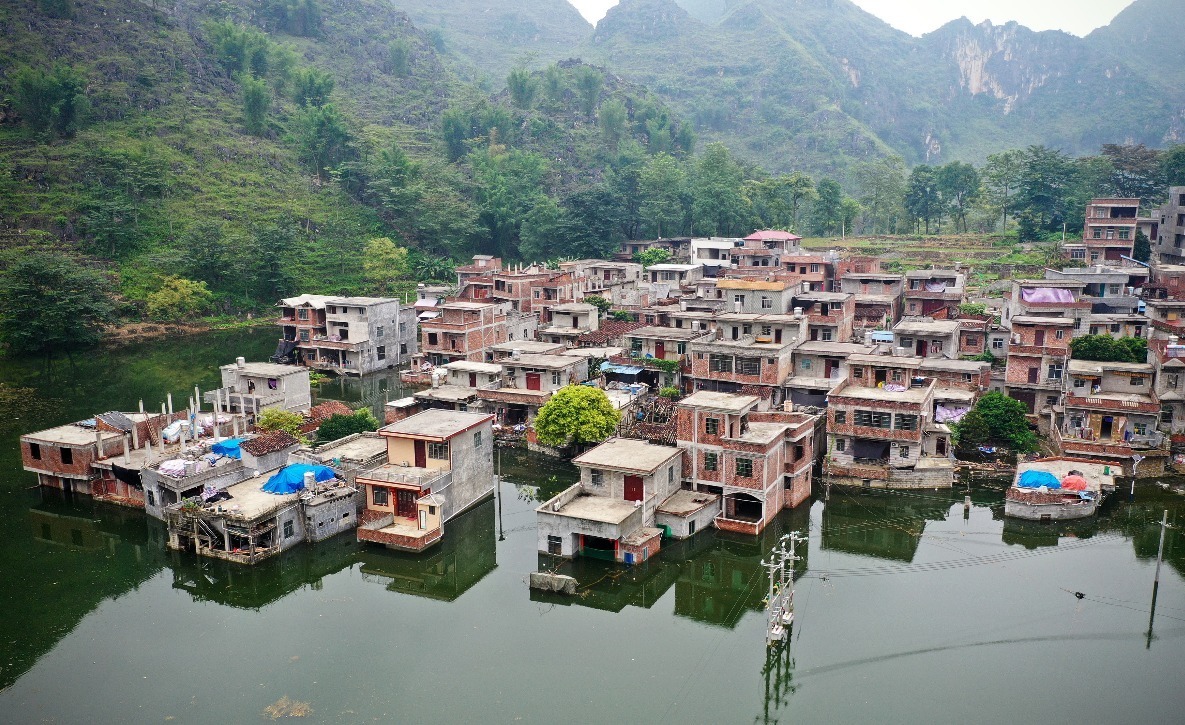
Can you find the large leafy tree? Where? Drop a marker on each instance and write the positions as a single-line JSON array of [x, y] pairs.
[[827, 211], [509, 185], [718, 208], [576, 415], [178, 299], [1172, 166], [384, 263], [923, 200], [1135, 173], [958, 183], [1104, 348], [51, 304], [662, 186], [339, 426], [51, 103], [998, 419], [1001, 179], [324, 141], [1045, 191], [882, 193]]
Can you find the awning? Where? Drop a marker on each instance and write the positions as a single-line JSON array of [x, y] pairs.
[[425, 303], [428, 315], [607, 367]]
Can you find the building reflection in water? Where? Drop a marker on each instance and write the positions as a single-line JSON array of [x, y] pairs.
[[465, 555], [882, 524]]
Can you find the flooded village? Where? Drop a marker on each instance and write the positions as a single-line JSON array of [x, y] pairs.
[[753, 389]]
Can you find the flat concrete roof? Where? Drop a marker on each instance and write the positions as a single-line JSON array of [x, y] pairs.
[[1120, 398], [271, 370], [447, 393], [70, 434], [593, 351], [596, 508], [249, 500], [627, 454], [362, 448], [570, 307], [470, 366], [754, 284], [835, 348], [823, 296], [534, 346], [909, 395], [1038, 320], [1061, 467], [761, 433], [900, 361], [438, 424], [927, 327], [962, 366], [467, 305], [685, 503], [724, 402], [1092, 366], [550, 362], [666, 333], [672, 267], [954, 394]]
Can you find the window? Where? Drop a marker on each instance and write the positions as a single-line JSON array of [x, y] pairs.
[[1097, 234], [636, 346], [378, 331], [857, 373], [289, 529], [151, 495], [596, 477], [67, 456], [973, 340], [1059, 334], [1137, 380], [35, 451], [555, 377], [745, 467], [477, 439], [998, 343], [432, 338], [711, 461], [273, 383], [380, 352], [841, 444], [1172, 380], [897, 376], [1079, 382], [719, 363], [302, 314], [767, 303], [303, 335], [1124, 234], [874, 419], [403, 348], [1055, 371], [671, 476], [906, 422], [903, 451], [1141, 429], [1166, 414], [748, 366], [438, 451], [1077, 254], [738, 299], [841, 417], [712, 426], [380, 497], [825, 335]]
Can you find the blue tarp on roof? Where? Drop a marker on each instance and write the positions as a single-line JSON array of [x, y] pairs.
[[1037, 479], [290, 479], [882, 336], [228, 447], [608, 367]]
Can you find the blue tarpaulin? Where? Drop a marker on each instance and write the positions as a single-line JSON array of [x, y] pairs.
[[1037, 479], [228, 447], [607, 367], [290, 479]]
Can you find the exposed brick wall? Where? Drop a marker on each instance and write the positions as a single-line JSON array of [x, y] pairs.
[[387, 538]]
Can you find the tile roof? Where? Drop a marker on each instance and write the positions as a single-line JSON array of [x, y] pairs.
[[610, 330], [269, 442]]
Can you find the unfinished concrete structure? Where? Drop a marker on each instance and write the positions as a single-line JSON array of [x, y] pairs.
[[248, 388], [347, 335]]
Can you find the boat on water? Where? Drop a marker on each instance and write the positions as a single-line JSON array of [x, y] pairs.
[[1058, 489]]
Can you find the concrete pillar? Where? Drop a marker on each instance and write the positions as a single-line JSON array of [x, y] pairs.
[[197, 399], [126, 456], [99, 445], [170, 398]]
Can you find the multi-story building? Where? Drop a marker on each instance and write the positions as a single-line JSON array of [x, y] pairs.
[[743, 365], [604, 278], [1037, 355], [1169, 241], [933, 293], [878, 297], [829, 314], [714, 253], [817, 368], [248, 388], [881, 429], [440, 463], [926, 337], [1110, 230], [1048, 298], [565, 324], [347, 335], [482, 265], [1111, 414], [756, 462], [759, 297], [464, 331], [528, 382]]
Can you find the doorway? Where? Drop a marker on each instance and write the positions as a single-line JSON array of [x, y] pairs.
[[660, 351], [421, 454], [533, 381], [940, 446], [405, 503], [1039, 338], [633, 488], [1107, 427]]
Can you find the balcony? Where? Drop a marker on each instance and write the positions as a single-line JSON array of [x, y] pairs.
[[1117, 402], [398, 533]]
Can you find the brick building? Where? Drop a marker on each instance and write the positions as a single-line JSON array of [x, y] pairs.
[[933, 292], [464, 331]]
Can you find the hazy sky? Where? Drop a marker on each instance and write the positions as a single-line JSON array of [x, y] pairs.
[[921, 16]]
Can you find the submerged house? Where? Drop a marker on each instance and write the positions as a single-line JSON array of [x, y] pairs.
[[248, 388], [346, 335], [610, 513], [439, 464]]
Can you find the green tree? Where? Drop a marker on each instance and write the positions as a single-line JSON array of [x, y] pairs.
[[1005, 421], [600, 303], [576, 415], [339, 426], [206, 251], [257, 101], [612, 117], [554, 83], [60, 9], [311, 87], [1001, 179], [178, 299], [271, 419], [1135, 172], [298, 17], [591, 222], [827, 212], [922, 198], [509, 185], [323, 139], [523, 88], [51, 103], [589, 82], [399, 57], [1142, 249], [1104, 348], [384, 263], [958, 183], [652, 256], [718, 207], [662, 186], [1043, 196], [882, 194], [49, 303], [540, 232], [1172, 165]]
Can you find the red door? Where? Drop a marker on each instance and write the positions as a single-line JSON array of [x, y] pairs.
[[533, 381], [829, 368], [405, 503], [473, 380], [633, 488], [1033, 375], [421, 454], [660, 351], [1039, 338]]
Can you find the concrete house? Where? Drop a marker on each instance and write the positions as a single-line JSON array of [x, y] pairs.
[[1169, 241], [881, 430], [603, 278], [528, 382], [1168, 361], [759, 297], [671, 277], [511, 348], [611, 511], [1110, 230], [829, 314], [248, 388], [927, 337], [439, 464], [566, 323], [930, 292], [1037, 355], [347, 335], [459, 388], [733, 366], [1110, 415], [816, 368], [752, 463], [464, 331], [714, 253], [877, 297]]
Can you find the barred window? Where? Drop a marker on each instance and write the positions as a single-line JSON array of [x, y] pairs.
[[841, 417], [720, 363], [749, 365], [745, 467], [712, 426], [438, 451], [873, 419], [906, 422], [711, 460]]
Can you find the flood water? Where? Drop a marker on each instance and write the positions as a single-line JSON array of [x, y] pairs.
[[908, 610]]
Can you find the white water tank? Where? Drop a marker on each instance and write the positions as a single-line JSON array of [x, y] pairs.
[[798, 312]]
